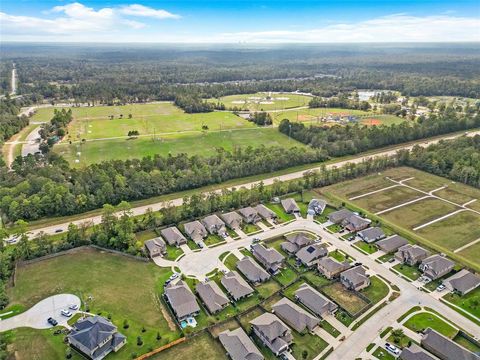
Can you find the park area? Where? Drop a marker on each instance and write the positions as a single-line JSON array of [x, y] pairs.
[[426, 208], [263, 101]]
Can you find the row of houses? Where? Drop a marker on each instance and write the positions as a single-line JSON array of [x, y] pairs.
[[352, 278]]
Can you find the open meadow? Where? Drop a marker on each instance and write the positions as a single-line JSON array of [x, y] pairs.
[[263, 101]]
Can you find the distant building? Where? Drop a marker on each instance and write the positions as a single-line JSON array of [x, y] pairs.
[[290, 206], [315, 301], [436, 266], [270, 258], [391, 244], [173, 236], [232, 219], [181, 300], [252, 271], [355, 278], [155, 247], [272, 332], [299, 319], [236, 286], [310, 254], [462, 282], [411, 254], [371, 235], [444, 348], [330, 267], [239, 346]]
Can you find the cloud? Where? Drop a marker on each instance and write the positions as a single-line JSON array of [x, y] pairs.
[[145, 11]]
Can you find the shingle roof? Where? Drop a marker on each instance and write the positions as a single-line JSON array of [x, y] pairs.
[[92, 331], [249, 213], [316, 205], [232, 219], [355, 275], [340, 215], [253, 271], [239, 346], [372, 234], [413, 251], [310, 253], [392, 243], [436, 264], [236, 285], [445, 348], [463, 281], [265, 212], [299, 238], [294, 315], [195, 230], [213, 221], [415, 352], [356, 221], [154, 245], [212, 296], [313, 300], [270, 325], [332, 265], [181, 299], [290, 205], [173, 236], [270, 255]]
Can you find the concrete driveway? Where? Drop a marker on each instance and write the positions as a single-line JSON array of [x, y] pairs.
[[36, 317]]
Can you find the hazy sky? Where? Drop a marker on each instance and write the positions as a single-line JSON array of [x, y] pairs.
[[240, 21]]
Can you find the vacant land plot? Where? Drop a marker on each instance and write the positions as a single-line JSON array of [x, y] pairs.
[[469, 302], [205, 144], [101, 277], [314, 116], [198, 347], [376, 120], [263, 101], [386, 199], [376, 291], [346, 299], [471, 253]]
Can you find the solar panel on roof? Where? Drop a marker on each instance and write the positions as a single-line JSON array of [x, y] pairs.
[[310, 249]]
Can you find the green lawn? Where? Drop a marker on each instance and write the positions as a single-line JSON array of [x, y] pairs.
[[343, 317], [466, 343], [323, 218], [411, 272], [263, 101], [381, 353], [312, 344], [345, 299], [399, 341], [231, 261], [103, 277], [421, 321], [213, 239], [469, 302], [377, 290], [313, 116], [334, 228], [286, 276], [386, 257], [324, 324], [282, 215], [339, 256], [250, 228], [368, 248], [199, 347], [315, 279]]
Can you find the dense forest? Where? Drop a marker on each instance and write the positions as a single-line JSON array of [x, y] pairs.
[[10, 123], [351, 139]]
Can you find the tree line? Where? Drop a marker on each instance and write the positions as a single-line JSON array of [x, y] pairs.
[[56, 129], [10, 122]]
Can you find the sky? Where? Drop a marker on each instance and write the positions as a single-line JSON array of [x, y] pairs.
[[240, 21]]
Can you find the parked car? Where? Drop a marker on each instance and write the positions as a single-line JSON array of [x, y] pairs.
[[52, 321], [357, 264], [441, 287], [392, 349], [73, 307], [66, 313], [391, 260], [174, 276], [351, 238], [256, 240], [200, 245], [58, 230], [12, 240]]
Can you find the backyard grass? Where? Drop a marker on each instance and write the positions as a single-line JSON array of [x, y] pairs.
[[423, 320], [469, 302], [339, 256], [316, 279], [286, 276], [368, 248], [411, 272], [343, 317], [381, 353], [311, 344], [463, 341], [249, 316], [377, 290], [345, 299], [399, 341], [323, 217], [281, 214], [102, 276]]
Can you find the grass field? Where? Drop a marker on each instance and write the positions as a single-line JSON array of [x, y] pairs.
[[421, 321], [194, 144], [346, 299], [313, 116], [102, 276], [199, 347], [469, 302], [263, 101]]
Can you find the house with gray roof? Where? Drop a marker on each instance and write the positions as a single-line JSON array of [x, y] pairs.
[[316, 206], [331, 268], [252, 271], [371, 235], [155, 247], [391, 244], [272, 332], [355, 223], [415, 352], [232, 219], [290, 206], [462, 282], [214, 225], [444, 348], [236, 286], [249, 215], [265, 212], [296, 317], [436, 266], [337, 217], [181, 300], [173, 236], [355, 278], [239, 346], [270, 258], [95, 337], [195, 231], [310, 254], [295, 241], [314, 301], [411, 254], [212, 296]]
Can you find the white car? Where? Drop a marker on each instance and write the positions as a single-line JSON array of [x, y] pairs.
[[441, 287], [73, 307], [66, 313], [392, 349], [174, 276]]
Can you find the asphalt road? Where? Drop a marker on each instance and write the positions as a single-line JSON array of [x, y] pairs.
[[177, 202]]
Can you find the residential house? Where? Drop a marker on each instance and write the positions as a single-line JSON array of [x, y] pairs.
[[337, 217], [436, 266], [236, 286], [462, 282], [415, 352], [232, 219], [239, 346], [214, 225], [444, 348], [371, 235], [212, 296], [296, 317], [272, 332], [265, 212], [252, 271], [173, 236], [331, 268], [355, 223], [270, 258], [155, 247], [95, 337], [195, 231], [181, 300], [310, 254], [316, 206], [314, 301], [355, 278], [295, 241], [411, 254], [249, 215], [391, 244], [290, 206]]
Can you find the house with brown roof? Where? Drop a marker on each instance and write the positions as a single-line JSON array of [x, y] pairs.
[[236, 286], [214, 225], [462, 282], [444, 348], [249, 215], [195, 231], [252, 271], [331, 268], [232, 219], [355, 223], [239, 346], [296, 317], [181, 300], [310, 254], [270, 258], [272, 332], [436, 266], [355, 278], [212, 296], [295, 241], [155, 247], [290, 206], [371, 235], [173, 236], [265, 212], [391, 244], [411, 254], [315, 301], [415, 352], [337, 217]]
